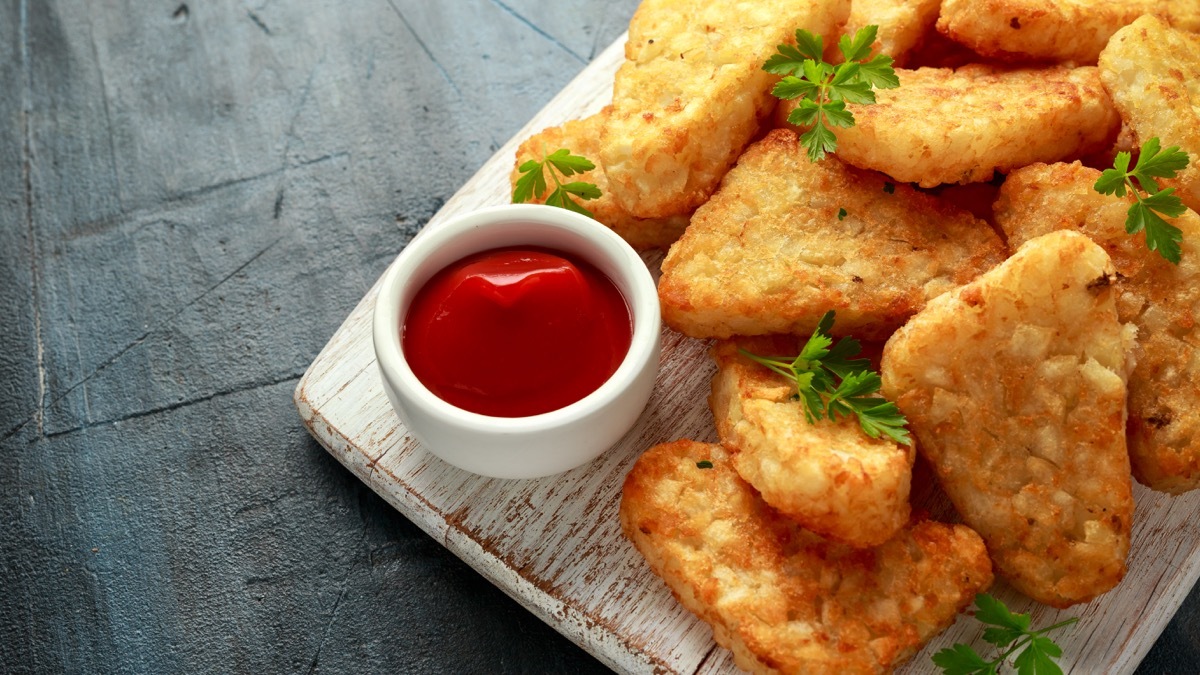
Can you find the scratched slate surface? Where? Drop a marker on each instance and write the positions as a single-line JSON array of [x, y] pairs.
[[192, 198]]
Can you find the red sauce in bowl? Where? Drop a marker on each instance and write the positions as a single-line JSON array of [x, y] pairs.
[[514, 332]]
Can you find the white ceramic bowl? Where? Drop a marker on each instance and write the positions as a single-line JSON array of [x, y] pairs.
[[538, 445]]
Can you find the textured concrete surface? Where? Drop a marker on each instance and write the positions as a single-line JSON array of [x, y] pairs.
[[192, 197]]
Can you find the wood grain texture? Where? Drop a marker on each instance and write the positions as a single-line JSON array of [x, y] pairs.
[[554, 543]]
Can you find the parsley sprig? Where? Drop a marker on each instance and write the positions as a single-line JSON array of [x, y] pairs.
[[1153, 162], [1035, 653], [833, 384], [824, 89], [532, 182]]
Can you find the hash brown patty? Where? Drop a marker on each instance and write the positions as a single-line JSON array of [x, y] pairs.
[[783, 599]]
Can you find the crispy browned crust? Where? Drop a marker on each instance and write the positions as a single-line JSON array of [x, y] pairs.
[[1015, 388], [582, 137], [768, 254], [1159, 298], [1152, 72], [783, 599], [1055, 30], [692, 92], [829, 476], [939, 51], [961, 126]]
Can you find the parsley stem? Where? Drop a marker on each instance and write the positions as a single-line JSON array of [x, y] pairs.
[[1134, 190], [831, 384], [1058, 625], [822, 98], [789, 368], [550, 165], [554, 175], [1021, 642], [780, 366], [1029, 637]]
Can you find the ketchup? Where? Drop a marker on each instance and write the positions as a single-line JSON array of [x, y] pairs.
[[513, 332]]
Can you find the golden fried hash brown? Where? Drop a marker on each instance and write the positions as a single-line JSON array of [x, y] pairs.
[[960, 126], [1055, 30], [829, 476], [783, 599], [903, 26], [582, 137], [1159, 298], [1015, 388], [771, 252], [1153, 74], [691, 93]]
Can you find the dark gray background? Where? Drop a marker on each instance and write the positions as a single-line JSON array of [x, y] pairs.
[[192, 198]]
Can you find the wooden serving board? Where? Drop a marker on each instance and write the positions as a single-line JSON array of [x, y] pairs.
[[554, 544]]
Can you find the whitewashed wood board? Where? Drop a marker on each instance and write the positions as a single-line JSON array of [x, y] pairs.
[[554, 544]]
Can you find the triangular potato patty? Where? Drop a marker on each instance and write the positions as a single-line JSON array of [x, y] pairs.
[[1015, 388], [785, 240]]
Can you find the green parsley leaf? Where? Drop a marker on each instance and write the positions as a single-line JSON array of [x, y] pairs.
[[996, 613], [817, 346], [855, 385], [842, 213], [1001, 636], [1159, 163], [878, 72], [582, 190], [1046, 646], [876, 416], [704, 464], [859, 47], [568, 164], [1143, 215], [560, 199], [1161, 236], [1112, 181], [1010, 632], [826, 323], [1038, 658], [846, 85], [855, 92], [889, 187], [805, 113], [791, 87], [529, 165], [832, 384], [838, 116], [810, 45], [884, 419], [531, 184], [556, 198], [824, 89], [787, 61], [846, 73], [819, 140], [814, 407], [1165, 203], [817, 71], [838, 360], [961, 660]]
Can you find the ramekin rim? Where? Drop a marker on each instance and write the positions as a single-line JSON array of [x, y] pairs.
[[642, 297]]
